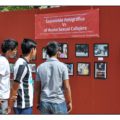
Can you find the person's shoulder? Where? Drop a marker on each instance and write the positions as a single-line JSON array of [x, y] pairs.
[[3, 59], [19, 61], [62, 64], [41, 65]]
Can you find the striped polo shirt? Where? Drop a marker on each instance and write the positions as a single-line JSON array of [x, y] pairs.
[[23, 75]]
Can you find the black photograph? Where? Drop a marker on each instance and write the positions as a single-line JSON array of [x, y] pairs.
[[82, 50]]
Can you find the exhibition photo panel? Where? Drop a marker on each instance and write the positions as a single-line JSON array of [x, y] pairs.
[[82, 50], [83, 68], [70, 67], [101, 50], [33, 68], [100, 70]]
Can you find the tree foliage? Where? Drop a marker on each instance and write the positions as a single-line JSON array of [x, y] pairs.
[[13, 8]]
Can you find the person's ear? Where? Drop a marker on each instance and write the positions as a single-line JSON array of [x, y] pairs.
[[32, 50]]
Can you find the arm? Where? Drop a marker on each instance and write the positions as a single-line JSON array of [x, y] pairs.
[[67, 89], [13, 94], [19, 74], [38, 92], [0, 102], [2, 71], [67, 92], [38, 87]]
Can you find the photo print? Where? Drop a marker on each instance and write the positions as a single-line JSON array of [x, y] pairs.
[[63, 50], [70, 67], [82, 50], [44, 54], [101, 50], [100, 70], [83, 69], [33, 68]]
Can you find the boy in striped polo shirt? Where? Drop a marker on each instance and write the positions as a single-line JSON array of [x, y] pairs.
[[23, 82]]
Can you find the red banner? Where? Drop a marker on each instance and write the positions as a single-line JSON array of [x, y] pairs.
[[75, 24]]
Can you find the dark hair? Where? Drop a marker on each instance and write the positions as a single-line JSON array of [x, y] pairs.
[[8, 44], [27, 45], [52, 48]]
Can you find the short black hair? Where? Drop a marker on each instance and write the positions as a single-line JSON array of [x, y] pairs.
[[27, 45], [52, 48], [8, 44]]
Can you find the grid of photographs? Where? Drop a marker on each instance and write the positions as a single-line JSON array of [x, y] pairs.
[[100, 70], [82, 50], [70, 67], [83, 69], [101, 50]]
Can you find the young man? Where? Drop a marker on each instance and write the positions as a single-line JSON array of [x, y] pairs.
[[53, 85], [9, 50], [23, 82]]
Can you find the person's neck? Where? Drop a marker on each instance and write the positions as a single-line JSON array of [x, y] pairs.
[[54, 57], [27, 58]]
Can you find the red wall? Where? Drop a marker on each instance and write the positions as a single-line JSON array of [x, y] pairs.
[[89, 95]]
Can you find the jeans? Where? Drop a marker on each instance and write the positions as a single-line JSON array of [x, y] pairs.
[[3, 107], [23, 110], [53, 108]]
